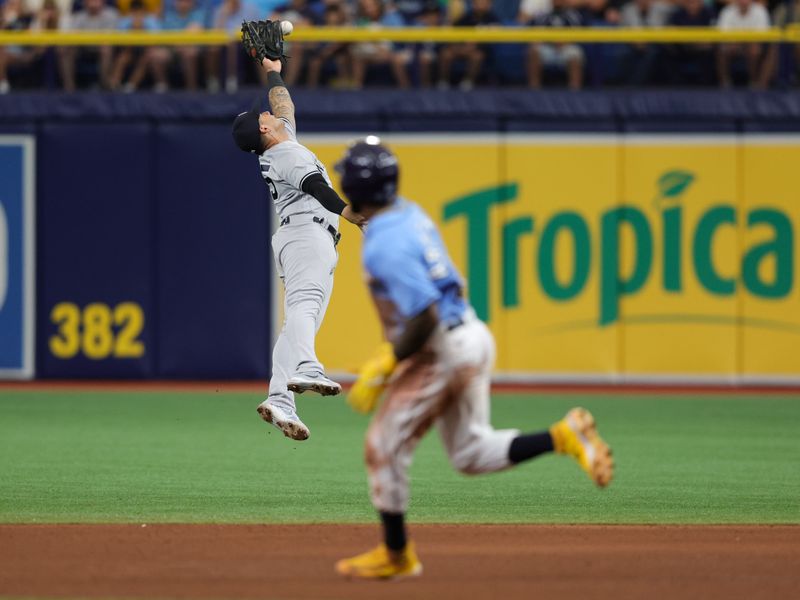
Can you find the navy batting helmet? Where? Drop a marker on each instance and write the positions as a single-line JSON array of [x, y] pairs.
[[369, 173]]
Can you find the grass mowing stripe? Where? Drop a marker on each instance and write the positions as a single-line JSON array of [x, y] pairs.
[[204, 457]]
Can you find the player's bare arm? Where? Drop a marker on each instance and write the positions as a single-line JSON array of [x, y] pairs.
[[280, 100], [374, 375], [417, 331], [352, 216]]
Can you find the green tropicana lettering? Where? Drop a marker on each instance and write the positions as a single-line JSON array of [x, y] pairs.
[[781, 247], [477, 211], [512, 232], [571, 224], [612, 283], [704, 235]]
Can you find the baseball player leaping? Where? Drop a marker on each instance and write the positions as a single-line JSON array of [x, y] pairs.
[[304, 244], [435, 367]]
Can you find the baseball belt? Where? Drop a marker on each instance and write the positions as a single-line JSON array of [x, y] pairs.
[[320, 221], [466, 317]]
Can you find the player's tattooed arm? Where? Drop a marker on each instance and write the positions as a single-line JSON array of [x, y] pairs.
[[281, 104], [279, 99]]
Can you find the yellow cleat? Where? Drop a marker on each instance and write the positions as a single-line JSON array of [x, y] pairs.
[[576, 436], [382, 563]]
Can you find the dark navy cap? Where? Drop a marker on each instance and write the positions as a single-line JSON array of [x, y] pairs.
[[245, 127], [246, 133]]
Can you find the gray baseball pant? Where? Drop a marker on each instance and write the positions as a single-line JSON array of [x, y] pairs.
[[305, 258]]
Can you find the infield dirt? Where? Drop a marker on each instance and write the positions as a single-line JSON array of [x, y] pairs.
[[464, 562]]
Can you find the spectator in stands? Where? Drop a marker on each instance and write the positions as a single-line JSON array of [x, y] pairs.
[[745, 15], [95, 16], [787, 14], [62, 7], [641, 60], [431, 16], [185, 16], [455, 10], [338, 52], [601, 13], [13, 18], [371, 13], [266, 8], [506, 11], [151, 7], [298, 11], [480, 15], [316, 11], [645, 13], [568, 57], [301, 14], [413, 10], [691, 13], [142, 58], [530, 10], [228, 17], [691, 62], [48, 16]]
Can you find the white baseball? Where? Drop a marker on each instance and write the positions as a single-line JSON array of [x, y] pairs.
[[287, 27]]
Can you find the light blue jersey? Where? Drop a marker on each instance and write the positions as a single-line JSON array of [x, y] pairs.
[[408, 265]]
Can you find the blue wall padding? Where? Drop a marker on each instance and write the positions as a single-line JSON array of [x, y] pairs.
[[600, 125], [342, 110], [213, 233], [95, 243], [689, 126]]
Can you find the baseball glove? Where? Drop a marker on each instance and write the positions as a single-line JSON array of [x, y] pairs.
[[372, 380], [263, 39]]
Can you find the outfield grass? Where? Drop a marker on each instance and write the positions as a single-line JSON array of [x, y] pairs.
[[206, 457]]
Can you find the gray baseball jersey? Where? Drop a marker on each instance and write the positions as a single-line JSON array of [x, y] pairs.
[[285, 167], [305, 259]]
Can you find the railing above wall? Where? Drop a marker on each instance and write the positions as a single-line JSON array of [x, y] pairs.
[[491, 35]]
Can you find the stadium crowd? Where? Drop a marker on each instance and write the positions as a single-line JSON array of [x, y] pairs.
[[353, 65]]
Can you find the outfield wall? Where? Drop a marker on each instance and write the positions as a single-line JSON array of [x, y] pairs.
[[151, 253], [599, 245], [608, 257]]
